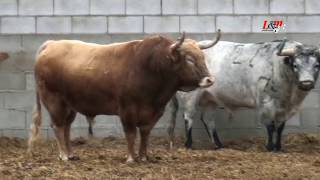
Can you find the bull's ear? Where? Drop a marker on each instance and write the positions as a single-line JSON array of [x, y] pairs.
[[3, 56]]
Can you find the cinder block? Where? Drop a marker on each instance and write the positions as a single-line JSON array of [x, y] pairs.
[[129, 24], [35, 7], [30, 81], [1, 100], [19, 61], [12, 119], [312, 6], [143, 7], [257, 23], [18, 25], [74, 7], [12, 81], [23, 100], [215, 6], [251, 7], [164, 24], [54, 25], [89, 25], [310, 117], [115, 38], [8, 7], [10, 43], [110, 7], [31, 43], [294, 120], [179, 7], [234, 23], [19, 133], [197, 24], [286, 6], [306, 24]]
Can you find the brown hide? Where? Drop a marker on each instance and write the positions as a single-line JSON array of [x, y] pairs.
[[134, 80]]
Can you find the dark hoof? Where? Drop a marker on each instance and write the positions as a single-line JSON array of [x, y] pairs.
[[218, 148], [188, 145], [74, 158], [269, 147]]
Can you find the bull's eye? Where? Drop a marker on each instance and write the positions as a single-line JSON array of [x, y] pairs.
[[295, 67]]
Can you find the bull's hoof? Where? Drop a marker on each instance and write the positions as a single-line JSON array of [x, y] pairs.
[[269, 147], [63, 157], [73, 158], [130, 160], [218, 148], [143, 159], [188, 145], [277, 148]]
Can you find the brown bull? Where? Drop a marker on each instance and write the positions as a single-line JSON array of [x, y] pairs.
[[134, 80]]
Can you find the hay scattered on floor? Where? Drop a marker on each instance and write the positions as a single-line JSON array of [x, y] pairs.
[[105, 159]]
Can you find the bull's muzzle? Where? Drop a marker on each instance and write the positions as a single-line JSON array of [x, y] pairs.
[[206, 82], [306, 85]]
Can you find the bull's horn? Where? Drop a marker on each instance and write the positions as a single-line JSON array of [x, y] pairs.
[[179, 42], [285, 52], [3, 56], [212, 43]]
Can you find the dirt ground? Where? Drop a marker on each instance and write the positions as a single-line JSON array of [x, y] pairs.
[[105, 159]]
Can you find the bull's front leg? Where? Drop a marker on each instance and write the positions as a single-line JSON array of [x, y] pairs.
[[188, 127], [279, 136], [130, 130], [172, 121], [144, 136], [270, 130]]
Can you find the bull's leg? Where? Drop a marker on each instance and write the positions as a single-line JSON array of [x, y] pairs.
[[90, 121], [60, 137], [130, 131], [172, 121], [212, 132], [144, 135], [67, 128], [188, 126], [270, 130], [279, 136]]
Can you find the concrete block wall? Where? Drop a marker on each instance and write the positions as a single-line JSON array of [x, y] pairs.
[[26, 24]]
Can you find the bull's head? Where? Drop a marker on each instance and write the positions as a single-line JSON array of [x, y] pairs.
[[189, 60], [304, 62], [3, 56]]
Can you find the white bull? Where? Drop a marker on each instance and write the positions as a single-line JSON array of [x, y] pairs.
[[271, 77]]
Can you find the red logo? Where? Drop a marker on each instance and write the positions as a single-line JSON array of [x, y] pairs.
[[274, 25]]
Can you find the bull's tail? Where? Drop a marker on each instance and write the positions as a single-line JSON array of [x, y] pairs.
[[36, 123]]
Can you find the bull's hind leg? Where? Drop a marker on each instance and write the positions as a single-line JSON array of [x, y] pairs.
[[211, 131], [70, 118], [59, 112]]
